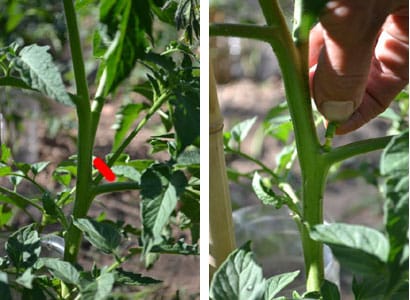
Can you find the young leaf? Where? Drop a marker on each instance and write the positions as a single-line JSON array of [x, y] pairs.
[[265, 194], [241, 130], [239, 277], [276, 283], [38, 167], [37, 70], [23, 247], [103, 236], [362, 249]]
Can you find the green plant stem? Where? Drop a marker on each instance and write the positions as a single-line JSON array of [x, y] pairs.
[[83, 198], [313, 167], [157, 104], [255, 32], [347, 151], [19, 200], [115, 187], [255, 161], [76, 52]]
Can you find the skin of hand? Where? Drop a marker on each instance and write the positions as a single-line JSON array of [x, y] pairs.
[[358, 59]]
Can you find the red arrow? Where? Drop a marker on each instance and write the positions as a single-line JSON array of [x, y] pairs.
[[104, 169]]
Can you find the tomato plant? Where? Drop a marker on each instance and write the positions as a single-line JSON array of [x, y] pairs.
[[123, 43], [377, 259]]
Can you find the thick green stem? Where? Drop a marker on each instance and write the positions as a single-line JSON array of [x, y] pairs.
[[85, 143], [115, 187], [255, 32], [312, 164], [314, 181]]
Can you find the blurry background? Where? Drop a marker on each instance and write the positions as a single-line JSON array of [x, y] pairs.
[[249, 85]]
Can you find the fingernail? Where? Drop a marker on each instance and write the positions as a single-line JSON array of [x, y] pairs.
[[337, 110]]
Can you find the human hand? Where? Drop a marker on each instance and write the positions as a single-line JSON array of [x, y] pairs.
[[358, 59]]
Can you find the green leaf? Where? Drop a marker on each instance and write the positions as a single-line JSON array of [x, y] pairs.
[[278, 282], [103, 236], [128, 172], [329, 291], [99, 288], [186, 118], [285, 159], [62, 270], [23, 247], [121, 38], [125, 117], [241, 130], [188, 158], [160, 190], [38, 167], [363, 250], [5, 153], [239, 277], [370, 288], [5, 214], [26, 279], [394, 166], [4, 286], [37, 70], [264, 193], [129, 278]]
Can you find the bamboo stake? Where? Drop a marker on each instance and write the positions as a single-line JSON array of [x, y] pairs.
[[221, 237]]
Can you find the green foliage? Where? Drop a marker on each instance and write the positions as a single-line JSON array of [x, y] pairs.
[[33, 266], [239, 277]]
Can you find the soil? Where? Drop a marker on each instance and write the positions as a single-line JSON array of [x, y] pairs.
[[180, 274]]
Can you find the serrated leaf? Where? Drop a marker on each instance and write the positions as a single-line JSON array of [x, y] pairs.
[[38, 71], [129, 278], [265, 194], [23, 247], [125, 117], [362, 249], [101, 235], [239, 277], [160, 191], [278, 282]]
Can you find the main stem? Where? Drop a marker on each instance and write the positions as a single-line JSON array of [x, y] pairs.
[[312, 163], [84, 157]]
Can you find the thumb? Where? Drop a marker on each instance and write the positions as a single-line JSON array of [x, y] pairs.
[[349, 35]]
